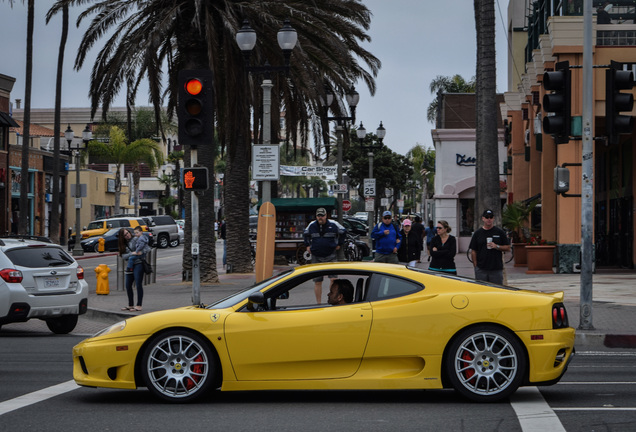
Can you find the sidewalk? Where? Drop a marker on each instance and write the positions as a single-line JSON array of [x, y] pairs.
[[613, 310]]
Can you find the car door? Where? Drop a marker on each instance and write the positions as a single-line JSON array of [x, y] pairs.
[[314, 342]]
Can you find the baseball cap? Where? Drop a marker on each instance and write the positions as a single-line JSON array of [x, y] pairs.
[[406, 222], [487, 213], [386, 213], [321, 212]]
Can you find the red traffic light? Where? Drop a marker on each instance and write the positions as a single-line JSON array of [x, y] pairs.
[[193, 87]]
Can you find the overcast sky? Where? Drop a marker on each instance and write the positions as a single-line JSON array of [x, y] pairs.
[[415, 40]]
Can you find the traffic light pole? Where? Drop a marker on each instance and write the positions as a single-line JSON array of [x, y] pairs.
[[587, 169], [196, 270]]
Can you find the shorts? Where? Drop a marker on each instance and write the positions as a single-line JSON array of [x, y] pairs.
[[329, 258]]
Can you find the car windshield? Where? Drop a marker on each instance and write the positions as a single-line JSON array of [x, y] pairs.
[[112, 232], [40, 256], [242, 295], [95, 225]]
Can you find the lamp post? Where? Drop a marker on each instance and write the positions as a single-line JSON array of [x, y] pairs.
[[87, 135], [246, 40], [352, 97], [380, 133]]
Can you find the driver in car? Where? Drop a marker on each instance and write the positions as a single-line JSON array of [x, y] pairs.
[[340, 292]]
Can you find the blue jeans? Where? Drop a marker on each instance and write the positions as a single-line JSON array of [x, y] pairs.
[[138, 278]]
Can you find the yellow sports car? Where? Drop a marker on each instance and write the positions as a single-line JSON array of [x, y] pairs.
[[385, 327]]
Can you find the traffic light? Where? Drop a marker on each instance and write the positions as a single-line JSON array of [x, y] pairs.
[[558, 102], [194, 179], [196, 107], [617, 79]]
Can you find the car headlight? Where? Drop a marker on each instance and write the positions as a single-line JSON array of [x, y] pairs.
[[112, 329]]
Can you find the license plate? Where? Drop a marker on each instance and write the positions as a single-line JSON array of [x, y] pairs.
[[52, 282]]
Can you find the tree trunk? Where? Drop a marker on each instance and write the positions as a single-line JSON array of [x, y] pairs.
[[207, 236], [487, 193], [54, 223], [237, 208], [25, 216]]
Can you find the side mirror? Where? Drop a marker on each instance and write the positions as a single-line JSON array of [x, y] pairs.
[[256, 298]]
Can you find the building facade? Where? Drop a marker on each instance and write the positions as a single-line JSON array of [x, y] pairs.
[[553, 32]]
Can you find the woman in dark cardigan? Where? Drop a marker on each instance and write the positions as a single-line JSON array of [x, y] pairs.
[[443, 250]]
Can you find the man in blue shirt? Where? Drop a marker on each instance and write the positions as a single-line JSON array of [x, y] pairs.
[[323, 238], [387, 240]]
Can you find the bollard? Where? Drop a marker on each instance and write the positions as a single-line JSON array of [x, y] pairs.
[[100, 245], [102, 271]]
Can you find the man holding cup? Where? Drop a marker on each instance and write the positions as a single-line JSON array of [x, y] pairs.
[[487, 245]]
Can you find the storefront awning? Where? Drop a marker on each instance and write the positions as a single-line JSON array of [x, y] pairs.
[[7, 121], [303, 204]]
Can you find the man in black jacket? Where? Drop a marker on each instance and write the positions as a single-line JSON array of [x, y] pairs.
[[323, 238], [487, 246]]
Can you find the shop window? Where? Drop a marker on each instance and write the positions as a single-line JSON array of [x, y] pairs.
[[467, 217]]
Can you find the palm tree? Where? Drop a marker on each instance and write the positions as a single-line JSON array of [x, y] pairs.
[[444, 84], [23, 228], [487, 144], [54, 232], [118, 152], [191, 34]]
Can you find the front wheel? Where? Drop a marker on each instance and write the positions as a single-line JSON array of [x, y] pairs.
[[62, 325], [178, 366], [174, 243], [486, 363]]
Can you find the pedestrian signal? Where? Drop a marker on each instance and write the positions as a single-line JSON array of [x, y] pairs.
[[194, 179]]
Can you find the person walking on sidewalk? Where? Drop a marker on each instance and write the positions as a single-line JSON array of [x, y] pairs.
[[487, 245], [443, 250], [127, 244], [409, 251], [430, 233], [323, 238], [418, 228], [387, 240]]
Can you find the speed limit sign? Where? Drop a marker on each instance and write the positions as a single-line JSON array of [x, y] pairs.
[[369, 187]]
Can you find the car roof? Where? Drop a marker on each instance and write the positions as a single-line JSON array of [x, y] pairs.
[[25, 241]]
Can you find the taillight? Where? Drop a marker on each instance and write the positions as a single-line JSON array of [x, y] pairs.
[[80, 272], [559, 316], [11, 275]]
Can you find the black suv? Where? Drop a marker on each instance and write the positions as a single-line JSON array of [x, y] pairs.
[[164, 230]]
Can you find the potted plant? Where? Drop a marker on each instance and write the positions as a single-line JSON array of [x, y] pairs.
[[515, 218], [540, 256]]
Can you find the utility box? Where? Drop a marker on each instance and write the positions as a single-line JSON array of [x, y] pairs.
[[561, 180]]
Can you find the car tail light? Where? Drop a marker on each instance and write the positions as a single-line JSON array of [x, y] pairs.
[[11, 275], [80, 272], [559, 316]]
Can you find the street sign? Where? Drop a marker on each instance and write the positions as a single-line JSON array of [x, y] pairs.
[[369, 204], [384, 202], [78, 203], [369, 187], [340, 188], [265, 162], [346, 205]]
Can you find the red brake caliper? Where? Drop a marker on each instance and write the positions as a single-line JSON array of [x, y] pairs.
[[198, 368], [469, 358]]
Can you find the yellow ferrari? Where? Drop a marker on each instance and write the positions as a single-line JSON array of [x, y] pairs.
[[385, 327]]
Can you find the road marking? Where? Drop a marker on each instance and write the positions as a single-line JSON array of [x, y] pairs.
[[35, 397], [596, 382], [595, 409], [534, 414]]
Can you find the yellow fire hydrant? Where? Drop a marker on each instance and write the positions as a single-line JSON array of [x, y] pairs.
[[102, 271], [100, 245]]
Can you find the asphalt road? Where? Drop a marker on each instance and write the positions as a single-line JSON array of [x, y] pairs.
[[598, 393]]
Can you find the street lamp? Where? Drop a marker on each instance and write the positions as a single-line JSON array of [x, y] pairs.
[[87, 135], [361, 133], [246, 40], [352, 97]]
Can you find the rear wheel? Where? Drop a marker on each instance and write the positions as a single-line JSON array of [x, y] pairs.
[[178, 366], [62, 325], [486, 363], [174, 243], [163, 241]]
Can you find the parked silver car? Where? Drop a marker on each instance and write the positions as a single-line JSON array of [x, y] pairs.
[[39, 279]]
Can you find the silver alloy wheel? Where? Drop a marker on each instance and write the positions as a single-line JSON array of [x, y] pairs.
[[178, 366], [486, 363]]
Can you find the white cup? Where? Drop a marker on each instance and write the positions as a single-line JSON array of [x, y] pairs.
[[488, 241]]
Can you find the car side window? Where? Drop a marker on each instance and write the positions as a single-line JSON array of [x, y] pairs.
[[125, 223], [385, 287]]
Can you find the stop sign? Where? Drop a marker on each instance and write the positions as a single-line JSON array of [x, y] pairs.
[[346, 205]]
